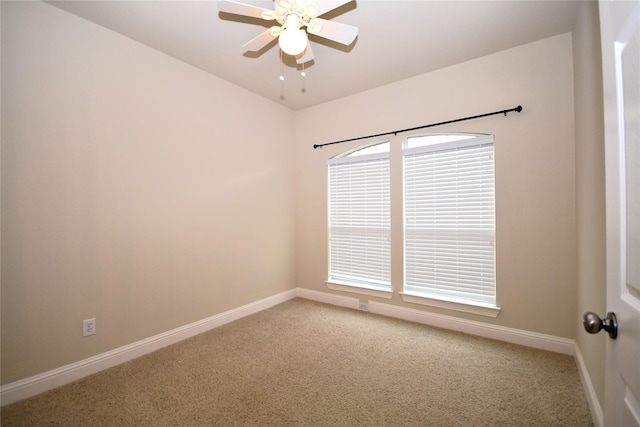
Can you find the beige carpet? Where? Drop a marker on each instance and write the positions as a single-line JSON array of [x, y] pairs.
[[308, 364]]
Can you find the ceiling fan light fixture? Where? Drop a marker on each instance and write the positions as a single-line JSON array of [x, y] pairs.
[[293, 40], [275, 31], [311, 10], [314, 26], [286, 4], [268, 15], [297, 19]]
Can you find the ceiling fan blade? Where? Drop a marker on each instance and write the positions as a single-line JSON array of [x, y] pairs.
[[260, 41], [236, 8], [305, 56], [328, 6], [341, 33]]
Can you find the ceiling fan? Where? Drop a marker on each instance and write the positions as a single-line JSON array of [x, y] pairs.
[[296, 18]]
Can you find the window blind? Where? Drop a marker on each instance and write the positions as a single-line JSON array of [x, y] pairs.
[[359, 221], [449, 210]]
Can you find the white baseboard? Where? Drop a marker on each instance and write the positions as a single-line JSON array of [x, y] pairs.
[[501, 333], [40, 383], [327, 298], [590, 392]]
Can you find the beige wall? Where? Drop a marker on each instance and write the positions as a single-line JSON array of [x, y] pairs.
[[135, 189], [590, 188], [535, 169]]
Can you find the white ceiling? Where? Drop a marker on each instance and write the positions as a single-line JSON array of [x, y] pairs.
[[396, 40]]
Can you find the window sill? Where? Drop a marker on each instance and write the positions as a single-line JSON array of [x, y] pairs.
[[360, 289], [482, 310]]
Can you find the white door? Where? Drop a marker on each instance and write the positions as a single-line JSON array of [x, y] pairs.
[[620, 32]]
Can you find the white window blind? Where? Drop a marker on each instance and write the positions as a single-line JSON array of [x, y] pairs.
[[359, 221], [449, 211]]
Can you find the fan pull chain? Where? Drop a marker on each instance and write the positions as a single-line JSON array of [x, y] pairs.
[[281, 77], [303, 74], [281, 68]]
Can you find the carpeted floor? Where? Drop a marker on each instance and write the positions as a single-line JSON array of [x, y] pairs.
[[304, 363]]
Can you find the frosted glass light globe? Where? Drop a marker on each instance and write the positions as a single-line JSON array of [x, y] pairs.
[[293, 41]]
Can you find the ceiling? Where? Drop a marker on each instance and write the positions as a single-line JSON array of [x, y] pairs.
[[396, 40]]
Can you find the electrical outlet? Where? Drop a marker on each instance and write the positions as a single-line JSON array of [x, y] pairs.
[[88, 327], [363, 306]]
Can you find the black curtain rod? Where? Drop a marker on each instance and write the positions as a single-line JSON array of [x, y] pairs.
[[516, 109]]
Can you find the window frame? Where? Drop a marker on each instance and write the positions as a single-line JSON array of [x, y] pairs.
[[338, 278], [444, 298]]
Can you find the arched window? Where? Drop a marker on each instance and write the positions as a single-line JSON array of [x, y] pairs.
[[359, 218], [449, 220]]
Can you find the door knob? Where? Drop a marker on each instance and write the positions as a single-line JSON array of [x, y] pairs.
[[593, 324]]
